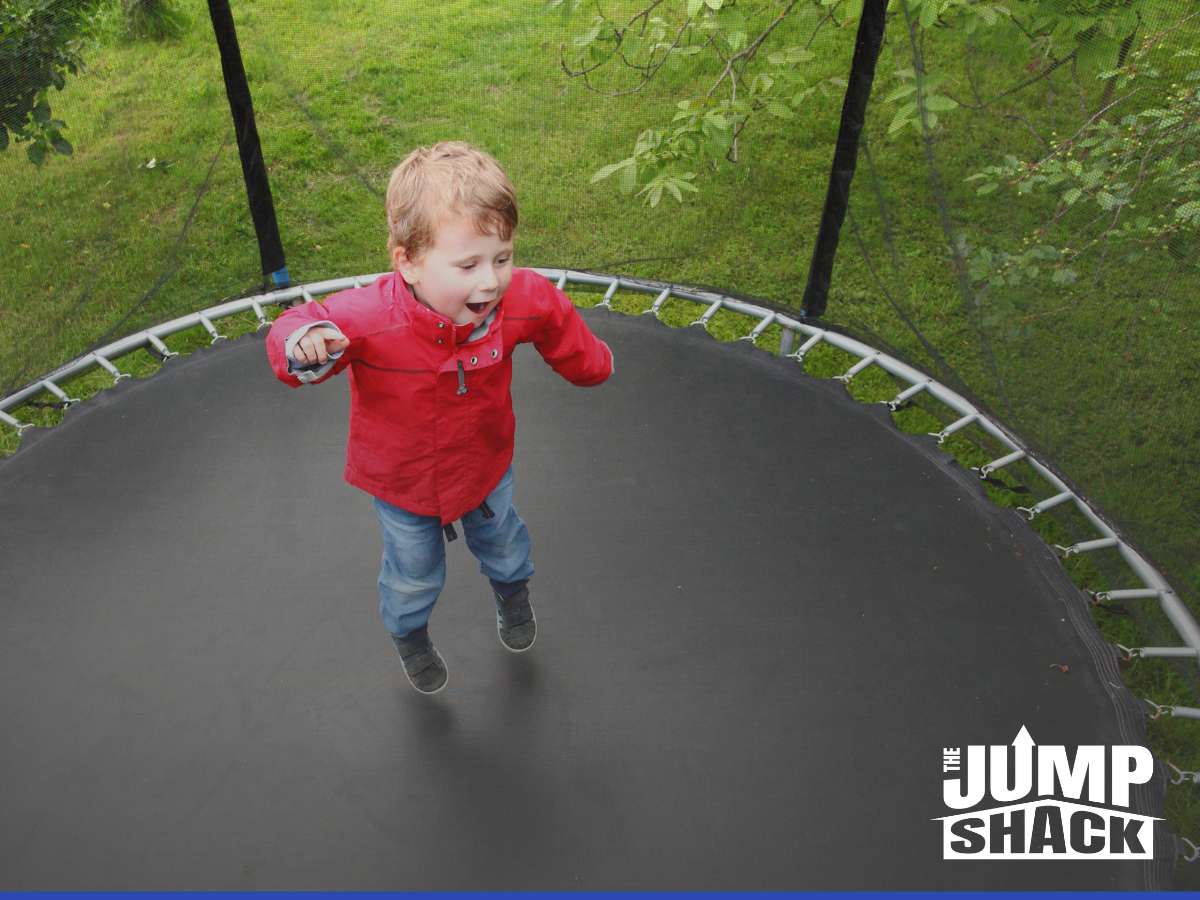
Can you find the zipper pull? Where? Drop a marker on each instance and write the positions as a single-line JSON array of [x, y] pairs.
[[462, 379]]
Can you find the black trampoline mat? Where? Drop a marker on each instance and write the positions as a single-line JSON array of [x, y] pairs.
[[763, 611]]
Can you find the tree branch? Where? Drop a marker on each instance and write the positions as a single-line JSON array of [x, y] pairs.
[[747, 53]]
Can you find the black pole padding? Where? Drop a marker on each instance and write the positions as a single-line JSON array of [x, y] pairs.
[[845, 156], [254, 170]]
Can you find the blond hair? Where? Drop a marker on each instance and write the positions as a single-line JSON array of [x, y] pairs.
[[448, 179]]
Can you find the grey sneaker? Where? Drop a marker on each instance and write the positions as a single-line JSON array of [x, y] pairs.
[[515, 621], [424, 666]]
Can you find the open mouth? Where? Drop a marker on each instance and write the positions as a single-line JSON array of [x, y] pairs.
[[477, 307]]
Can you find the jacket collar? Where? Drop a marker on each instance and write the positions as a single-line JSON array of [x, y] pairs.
[[433, 327]]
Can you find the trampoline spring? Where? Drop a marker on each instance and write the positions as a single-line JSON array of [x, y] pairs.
[[1192, 852], [905, 395], [1167, 652], [657, 305], [1159, 710], [211, 329], [1049, 503], [608, 295], [58, 392], [1128, 594], [856, 368], [112, 370], [954, 426], [989, 468], [1129, 652], [9, 420], [263, 321], [562, 279], [1181, 776], [799, 355], [708, 314], [160, 348], [308, 298], [1086, 546], [760, 328]]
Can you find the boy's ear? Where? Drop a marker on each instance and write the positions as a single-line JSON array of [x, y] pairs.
[[401, 263]]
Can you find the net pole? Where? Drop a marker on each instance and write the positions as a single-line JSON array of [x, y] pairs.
[[845, 156], [254, 169]]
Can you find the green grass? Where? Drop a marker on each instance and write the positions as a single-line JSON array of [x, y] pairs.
[[1099, 378]]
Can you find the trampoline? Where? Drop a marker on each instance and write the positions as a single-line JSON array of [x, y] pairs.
[[763, 611]]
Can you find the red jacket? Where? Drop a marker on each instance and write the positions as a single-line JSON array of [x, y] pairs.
[[431, 418]]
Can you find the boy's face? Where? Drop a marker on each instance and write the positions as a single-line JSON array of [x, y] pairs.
[[463, 275]]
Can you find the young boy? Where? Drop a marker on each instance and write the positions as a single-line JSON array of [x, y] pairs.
[[429, 352]]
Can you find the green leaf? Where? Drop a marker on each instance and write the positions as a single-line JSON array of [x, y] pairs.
[[777, 109], [714, 5], [903, 117], [693, 7], [590, 35], [1106, 200], [674, 189], [628, 179], [940, 104], [1064, 276], [41, 112], [62, 145], [902, 91], [1072, 195], [929, 13], [605, 171], [1189, 211], [987, 188], [36, 152]]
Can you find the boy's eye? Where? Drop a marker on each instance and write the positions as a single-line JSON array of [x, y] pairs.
[[472, 265]]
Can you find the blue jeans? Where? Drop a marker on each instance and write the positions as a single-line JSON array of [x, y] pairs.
[[413, 569]]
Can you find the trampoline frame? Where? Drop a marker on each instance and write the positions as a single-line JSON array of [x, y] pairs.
[[1155, 586]]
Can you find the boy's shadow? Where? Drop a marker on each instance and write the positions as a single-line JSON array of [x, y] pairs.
[[488, 755]]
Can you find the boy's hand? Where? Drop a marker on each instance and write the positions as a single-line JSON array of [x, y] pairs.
[[317, 344]]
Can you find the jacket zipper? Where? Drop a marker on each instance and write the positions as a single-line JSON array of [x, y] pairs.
[[462, 379]]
